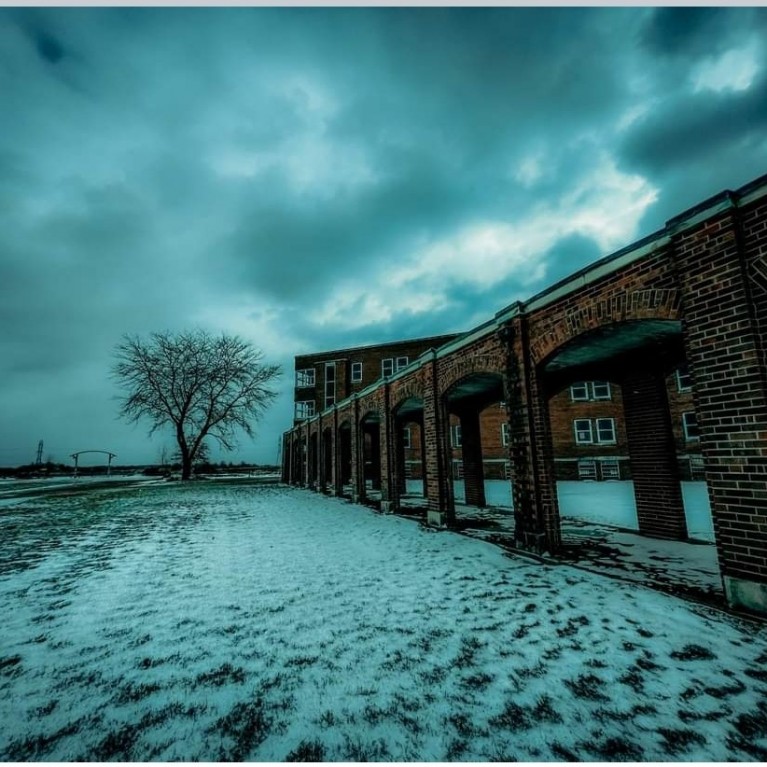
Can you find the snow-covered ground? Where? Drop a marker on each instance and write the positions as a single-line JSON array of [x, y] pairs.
[[211, 621]]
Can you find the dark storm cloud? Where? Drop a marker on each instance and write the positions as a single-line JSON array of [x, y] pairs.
[[323, 177]]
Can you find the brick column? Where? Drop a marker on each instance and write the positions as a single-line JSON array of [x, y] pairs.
[[726, 361], [400, 472], [471, 451], [336, 485], [388, 474], [652, 452], [536, 511], [375, 455], [441, 510], [358, 467]]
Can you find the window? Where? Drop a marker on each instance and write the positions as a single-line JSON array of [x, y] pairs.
[[579, 392], [600, 390], [611, 469], [305, 377], [690, 426], [605, 431], [387, 367], [305, 409], [457, 469], [587, 469], [582, 428], [586, 391], [406, 437], [330, 383], [505, 434], [356, 372], [683, 378], [455, 436], [401, 363], [599, 430]]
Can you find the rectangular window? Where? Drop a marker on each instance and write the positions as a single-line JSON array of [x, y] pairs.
[[406, 437], [457, 469], [683, 379], [690, 426], [401, 363], [582, 429], [505, 434], [455, 436], [587, 469], [305, 377], [356, 372], [696, 468], [330, 383], [305, 409], [600, 390], [387, 367], [605, 431], [579, 392], [610, 469]]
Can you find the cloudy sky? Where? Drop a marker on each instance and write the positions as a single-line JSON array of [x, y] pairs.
[[316, 178]]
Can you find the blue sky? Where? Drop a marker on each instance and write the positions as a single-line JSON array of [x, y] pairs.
[[316, 178]]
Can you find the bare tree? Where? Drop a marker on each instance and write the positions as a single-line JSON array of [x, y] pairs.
[[199, 384]]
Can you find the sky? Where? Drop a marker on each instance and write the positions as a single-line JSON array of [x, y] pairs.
[[316, 178]]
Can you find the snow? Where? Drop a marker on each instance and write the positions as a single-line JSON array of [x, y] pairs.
[[211, 621]]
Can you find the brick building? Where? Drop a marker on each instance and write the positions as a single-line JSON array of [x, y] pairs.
[[587, 423]]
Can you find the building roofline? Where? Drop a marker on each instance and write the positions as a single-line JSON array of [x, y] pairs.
[[367, 347]]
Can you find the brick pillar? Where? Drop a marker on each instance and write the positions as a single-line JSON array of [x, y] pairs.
[[422, 445], [400, 472], [652, 452], [321, 456], [306, 459], [726, 362], [471, 451], [336, 484], [357, 462], [375, 456], [531, 454], [388, 473], [441, 509]]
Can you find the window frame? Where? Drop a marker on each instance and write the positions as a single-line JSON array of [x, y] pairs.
[[505, 434], [599, 441], [686, 427], [406, 438], [356, 372], [587, 470], [578, 384], [400, 362], [384, 365], [577, 429], [683, 372], [302, 378], [607, 397], [330, 395], [456, 438], [308, 406]]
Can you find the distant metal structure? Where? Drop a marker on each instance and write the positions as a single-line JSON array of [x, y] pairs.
[[39, 453], [77, 455]]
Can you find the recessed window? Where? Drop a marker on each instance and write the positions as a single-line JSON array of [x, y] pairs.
[[387, 367], [406, 437], [455, 436], [579, 392], [683, 378], [505, 434], [690, 426], [587, 391], [305, 409], [583, 431], [605, 431], [401, 363], [305, 377], [356, 372]]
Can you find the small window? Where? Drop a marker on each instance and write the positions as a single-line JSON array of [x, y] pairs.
[[611, 469], [387, 367], [587, 469], [305, 409], [457, 469], [401, 363], [356, 372], [406, 437], [505, 434], [690, 426], [683, 379], [455, 436], [305, 377], [605, 431], [579, 392], [583, 434], [600, 390]]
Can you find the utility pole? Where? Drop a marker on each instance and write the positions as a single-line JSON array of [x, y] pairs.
[[39, 453]]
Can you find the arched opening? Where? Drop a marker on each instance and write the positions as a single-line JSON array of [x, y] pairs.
[[409, 454], [370, 456], [478, 442], [624, 434], [313, 478]]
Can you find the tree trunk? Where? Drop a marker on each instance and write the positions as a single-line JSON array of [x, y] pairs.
[[186, 465]]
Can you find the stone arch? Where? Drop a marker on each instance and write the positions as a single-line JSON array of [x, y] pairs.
[[453, 369]]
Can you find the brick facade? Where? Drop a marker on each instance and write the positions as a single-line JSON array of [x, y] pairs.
[[692, 297]]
